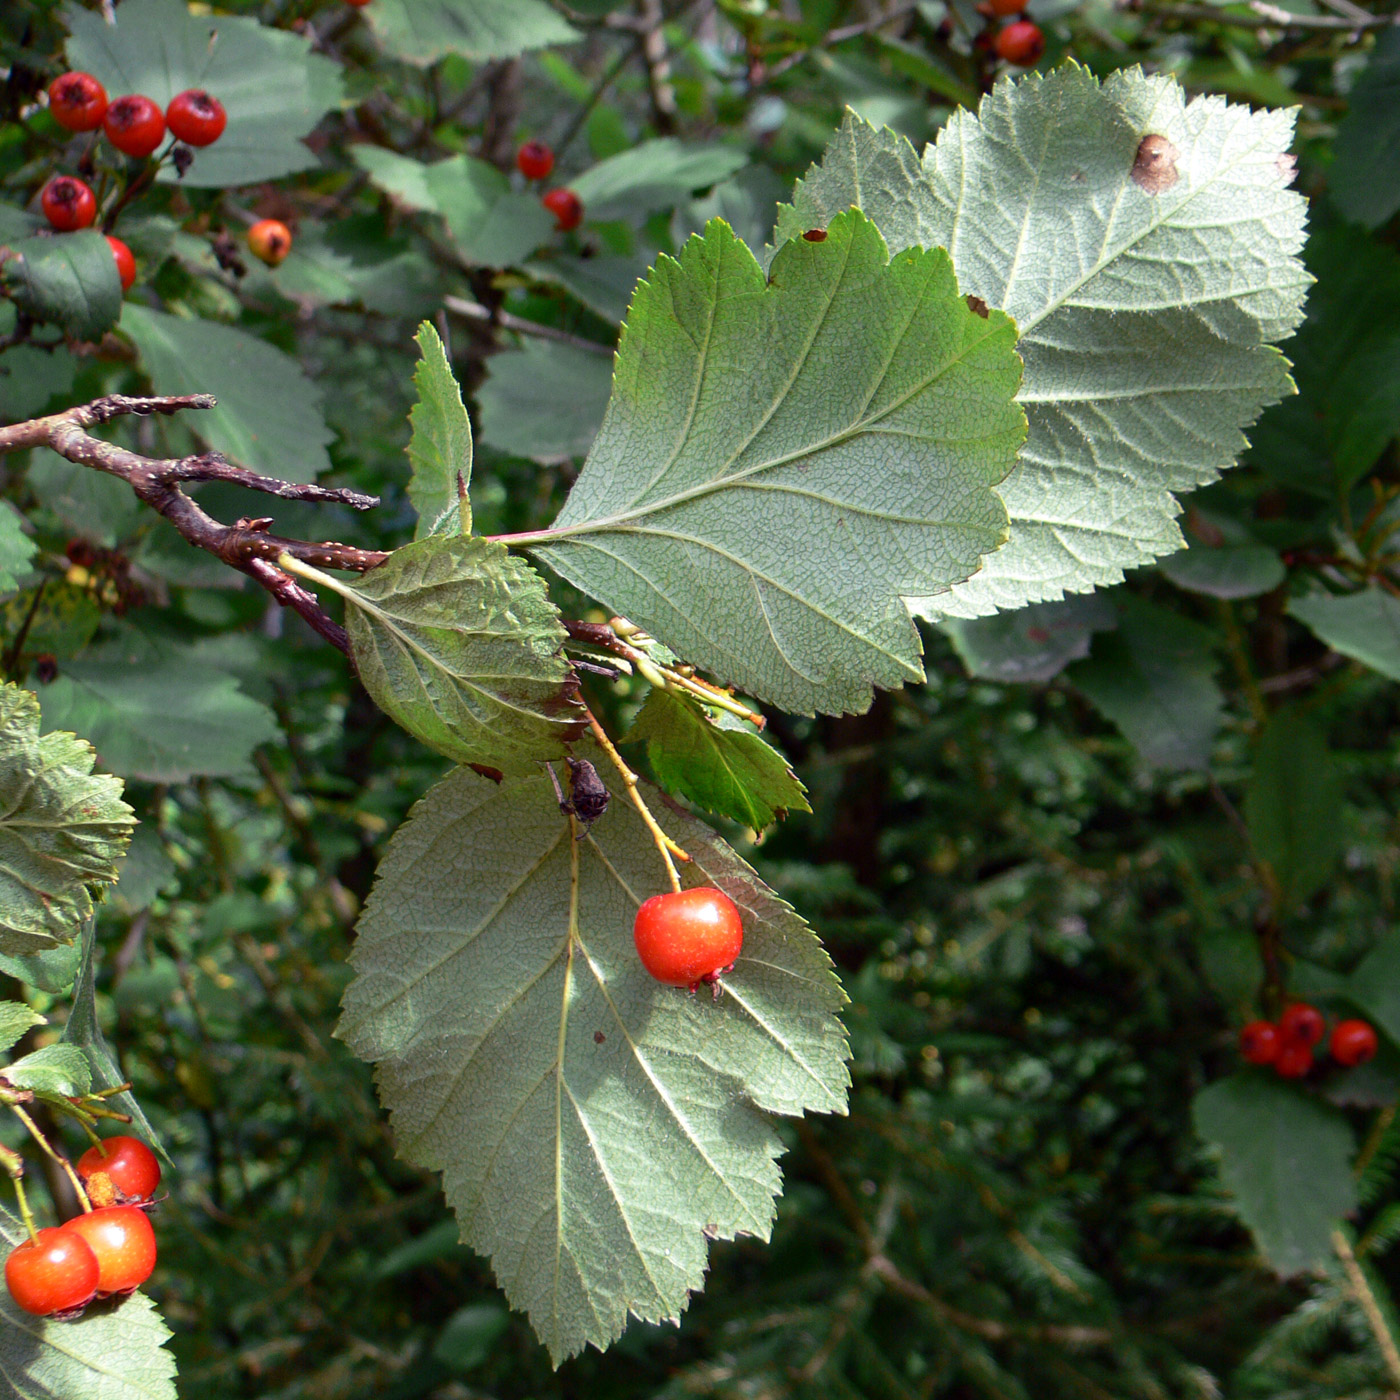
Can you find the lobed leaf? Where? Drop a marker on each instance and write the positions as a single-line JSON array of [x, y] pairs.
[[1033, 643], [782, 461], [51, 1071], [1364, 626], [15, 1019], [544, 400], [70, 281], [1146, 310], [595, 1128], [424, 31], [440, 450]]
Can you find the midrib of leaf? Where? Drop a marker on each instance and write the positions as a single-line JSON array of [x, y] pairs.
[[89, 1363], [559, 1086]]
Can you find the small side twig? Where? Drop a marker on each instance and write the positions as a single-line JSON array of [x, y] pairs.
[[475, 311]]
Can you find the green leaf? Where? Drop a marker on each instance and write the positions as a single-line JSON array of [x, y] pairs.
[[1030, 644], [273, 87], [16, 549], [269, 415], [1374, 986], [468, 1336], [114, 1351], [100, 508], [15, 1019], [716, 761], [544, 400], [458, 642], [53, 970], [61, 1070], [1286, 1158], [158, 714], [781, 461], [1155, 679], [651, 175], [62, 830], [1293, 806], [1226, 571], [440, 449], [70, 279], [1364, 179], [595, 1128], [423, 31], [33, 379], [1364, 626], [1145, 319], [604, 283]]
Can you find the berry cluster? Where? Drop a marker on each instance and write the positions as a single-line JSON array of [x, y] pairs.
[[535, 160], [1288, 1043], [108, 1249]]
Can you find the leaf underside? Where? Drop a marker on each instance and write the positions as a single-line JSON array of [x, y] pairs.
[[594, 1127], [1146, 318]]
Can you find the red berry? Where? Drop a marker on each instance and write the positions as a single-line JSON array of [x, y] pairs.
[[1004, 9], [1302, 1023], [130, 1165], [126, 264], [68, 204], [566, 207], [52, 1273], [1260, 1042], [1294, 1059], [134, 125], [535, 160], [1353, 1042], [196, 118], [124, 1243], [358, 4], [688, 936], [270, 240], [78, 101], [1021, 43]]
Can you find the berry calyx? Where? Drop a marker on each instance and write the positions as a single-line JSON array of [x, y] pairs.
[[134, 125], [52, 1273], [126, 263], [1302, 1023], [1260, 1042], [270, 240], [127, 1162], [534, 160], [1353, 1042], [566, 207], [123, 1242], [688, 936], [196, 118], [77, 101], [1021, 43], [1294, 1059], [68, 204]]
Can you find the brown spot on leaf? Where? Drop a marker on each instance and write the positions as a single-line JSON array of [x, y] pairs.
[[1154, 168], [598, 1037], [977, 306], [815, 235], [487, 771]]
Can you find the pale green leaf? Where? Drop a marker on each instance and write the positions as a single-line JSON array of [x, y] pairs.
[[440, 450], [458, 642], [61, 1070], [16, 549], [423, 31], [15, 1019], [1226, 571], [269, 413], [159, 715], [53, 970], [114, 1351], [1286, 1158], [1155, 679], [1034, 643], [1364, 626], [62, 830], [782, 461], [273, 87], [1364, 180], [1146, 319], [595, 1128], [604, 283], [544, 400], [717, 761], [70, 281], [653, 175]]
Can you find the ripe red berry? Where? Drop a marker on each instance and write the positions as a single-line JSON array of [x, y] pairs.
[[196, 118], [1294, 1059], [134, 125], [68, 204], [688, 936], [1353, 1042], [358, 4], [535, 160], [1004, 9], [566, 207], [123, 1242], [1302, 1023], [126, 263], [1021, 43], [127, 1162], [270, 240], [51, 1273], [78, 101], [1260, 1042]]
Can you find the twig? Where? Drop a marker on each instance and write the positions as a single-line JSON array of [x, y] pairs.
[[658, 66], [839, 36], [1361, 1291], [1274, 15], [475, 311]]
